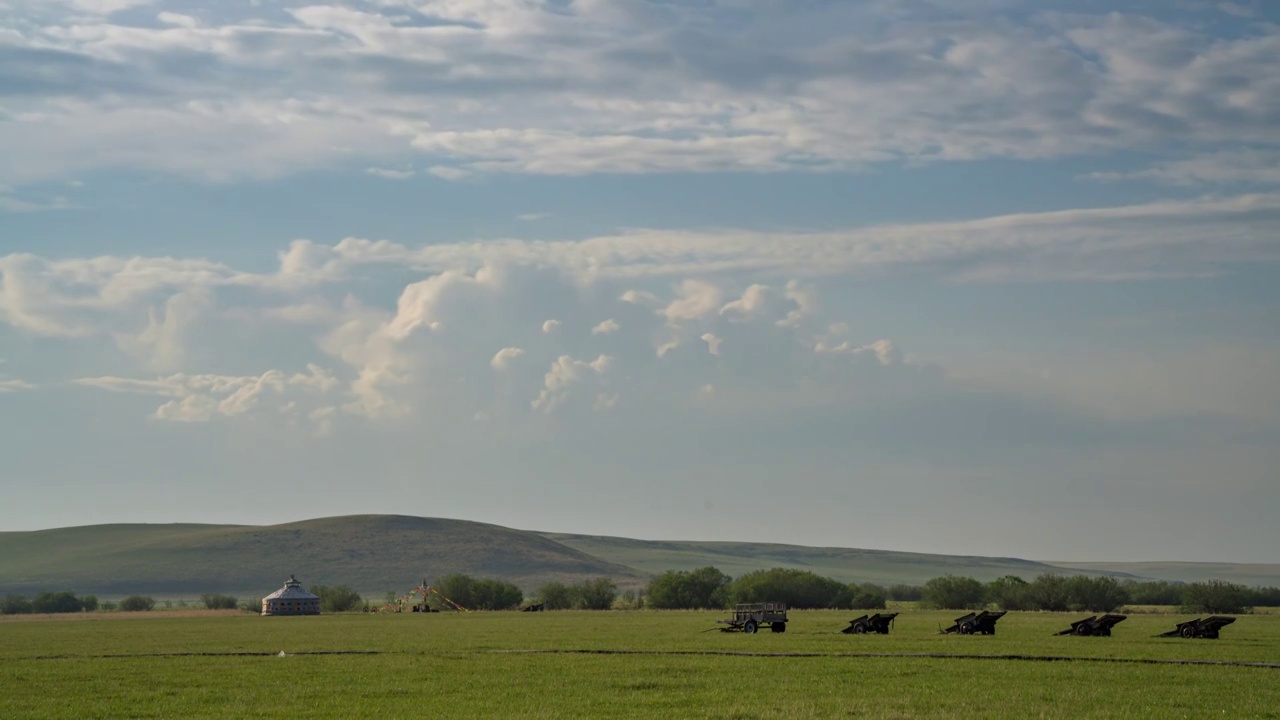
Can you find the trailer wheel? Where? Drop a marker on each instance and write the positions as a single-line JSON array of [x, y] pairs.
[[778, 627], [966, 628], [1083, 630], [749, 627], [1188, 632], [859, 629]]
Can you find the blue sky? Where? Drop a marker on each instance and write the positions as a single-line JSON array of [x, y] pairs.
[[978, 277]]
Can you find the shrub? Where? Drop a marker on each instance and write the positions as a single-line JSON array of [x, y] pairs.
[[799, 589], [137, 603], [336, 599], [478, 594], [556, 596], [56, 602], [1008, 593], [867, 596], [1156, 592], [596, 594], [108, 606], [1215, 596], [1049, 592], [15, 605], [954, 593], [89, 603], [703, 588], [1096, 594], [219, 602]]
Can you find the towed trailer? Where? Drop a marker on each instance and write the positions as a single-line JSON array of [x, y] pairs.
[[1200, 628], [748, 617], [878, 623], [1094, 626], [980, 623]]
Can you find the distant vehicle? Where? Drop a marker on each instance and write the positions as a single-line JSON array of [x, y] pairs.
[[748, 617]]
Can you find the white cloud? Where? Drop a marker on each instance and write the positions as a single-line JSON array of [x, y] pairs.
[[565, 373], [713, 343], [695, 299], [391, 173], [178, 19], [550, 326], [605, 328], [603, 87], [1258, 166], [202, 398], [504, 357], [15, 385]]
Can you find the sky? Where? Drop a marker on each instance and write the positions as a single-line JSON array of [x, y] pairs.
[[970, 277]]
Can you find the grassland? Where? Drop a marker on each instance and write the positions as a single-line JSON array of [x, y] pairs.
[[623, 664]]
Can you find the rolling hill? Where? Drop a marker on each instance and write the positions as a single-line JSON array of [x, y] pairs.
[[378, 553], [884, 567], [372, 553], [1246, 574]]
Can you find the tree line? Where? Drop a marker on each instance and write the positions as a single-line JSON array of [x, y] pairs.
[[708, 588]]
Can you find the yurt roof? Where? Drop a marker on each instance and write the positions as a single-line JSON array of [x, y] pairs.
[[292, 590]]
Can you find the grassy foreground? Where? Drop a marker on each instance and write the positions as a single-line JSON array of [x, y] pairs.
[[623, 664]]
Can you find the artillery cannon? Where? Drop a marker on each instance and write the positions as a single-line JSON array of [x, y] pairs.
[[878, 623], [1200, 628], [748, 617], [1094, 626], [983, 623]]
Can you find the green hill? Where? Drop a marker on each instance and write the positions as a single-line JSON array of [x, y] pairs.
[[845, 564], [372, 553], [1250, 575]]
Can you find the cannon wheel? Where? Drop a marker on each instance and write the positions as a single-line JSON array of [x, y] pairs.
[[859, 629], [778, 627], [1083, 630], [749, 627], [1188, 632], [966, 628]]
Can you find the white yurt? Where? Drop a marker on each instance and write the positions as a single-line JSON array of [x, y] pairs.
[[291, 600]]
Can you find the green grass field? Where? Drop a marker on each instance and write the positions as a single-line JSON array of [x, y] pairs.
[[622, 664]]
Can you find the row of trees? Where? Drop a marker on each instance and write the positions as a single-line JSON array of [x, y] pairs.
[[594, 594], [477, 593], [1058, 593], [66, 601], [709, 588]]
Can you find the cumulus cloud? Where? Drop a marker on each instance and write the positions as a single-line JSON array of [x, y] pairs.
[[605, 328], [504, 357], [690, 309], [566, 373], [202, 398]]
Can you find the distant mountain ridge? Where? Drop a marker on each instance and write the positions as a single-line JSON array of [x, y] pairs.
[[378, 553]]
